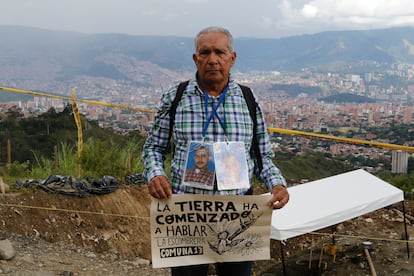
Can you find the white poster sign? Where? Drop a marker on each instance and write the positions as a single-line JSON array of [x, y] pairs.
[[198, 229]]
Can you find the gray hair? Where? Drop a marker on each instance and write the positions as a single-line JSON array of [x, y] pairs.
[[214, 29], [203, 147]]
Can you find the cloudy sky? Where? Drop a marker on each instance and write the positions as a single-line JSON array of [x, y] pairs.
[[244, 18]]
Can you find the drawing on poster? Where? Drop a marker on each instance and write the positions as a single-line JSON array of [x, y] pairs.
[[227, 237], [198, 229]]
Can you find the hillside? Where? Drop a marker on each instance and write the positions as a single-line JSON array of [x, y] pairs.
[[35, 138], [331, 49], [109, 235], [347, 98], [48, 145]]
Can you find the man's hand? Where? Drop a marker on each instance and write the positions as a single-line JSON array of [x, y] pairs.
[[280, 196], [160, 187]]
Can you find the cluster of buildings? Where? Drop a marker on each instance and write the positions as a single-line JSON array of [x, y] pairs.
[[305, 112]]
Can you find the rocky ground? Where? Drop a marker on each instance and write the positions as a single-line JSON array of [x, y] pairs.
[[56, 234]]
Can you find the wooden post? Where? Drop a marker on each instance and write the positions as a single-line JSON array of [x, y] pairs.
[[129, 161], [282, 253], [320, 256], [370, 263], [56, 158], [9, 159]]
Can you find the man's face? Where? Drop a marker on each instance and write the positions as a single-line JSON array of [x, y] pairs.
[[201, 158], [213, 59], [231, 166]]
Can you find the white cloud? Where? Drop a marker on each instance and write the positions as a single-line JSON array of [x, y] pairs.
[[360, 13], [264, 18], [310, 11]]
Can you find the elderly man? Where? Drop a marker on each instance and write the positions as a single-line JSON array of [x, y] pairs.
[[212, 109]]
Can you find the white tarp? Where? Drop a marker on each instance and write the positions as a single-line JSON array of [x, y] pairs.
[[329, 201]]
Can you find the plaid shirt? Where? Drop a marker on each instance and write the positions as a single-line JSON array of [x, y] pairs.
[[188, 126], [205, 177]]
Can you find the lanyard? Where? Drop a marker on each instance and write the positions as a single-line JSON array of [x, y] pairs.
[[214, 112]]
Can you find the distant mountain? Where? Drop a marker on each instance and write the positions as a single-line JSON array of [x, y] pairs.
[[293, 90], [329, 49], [29, 53]]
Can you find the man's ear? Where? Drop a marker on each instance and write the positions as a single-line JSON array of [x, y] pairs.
[[233, 58]]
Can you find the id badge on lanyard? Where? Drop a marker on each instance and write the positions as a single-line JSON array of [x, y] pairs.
[[199, 166], [225, 161], [231, 166]]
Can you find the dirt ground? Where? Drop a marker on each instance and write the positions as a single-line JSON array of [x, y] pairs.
[[109, 234]]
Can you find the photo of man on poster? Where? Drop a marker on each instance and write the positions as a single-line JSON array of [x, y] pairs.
[[231, 166], [200, 166]]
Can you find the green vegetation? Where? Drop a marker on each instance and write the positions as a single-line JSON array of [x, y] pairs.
[[47, 145], [99, 158], [347, 98], [396, 133], [311, 166], [404, 182]]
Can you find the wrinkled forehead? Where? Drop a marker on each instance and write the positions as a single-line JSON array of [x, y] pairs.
[[213, 40]]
